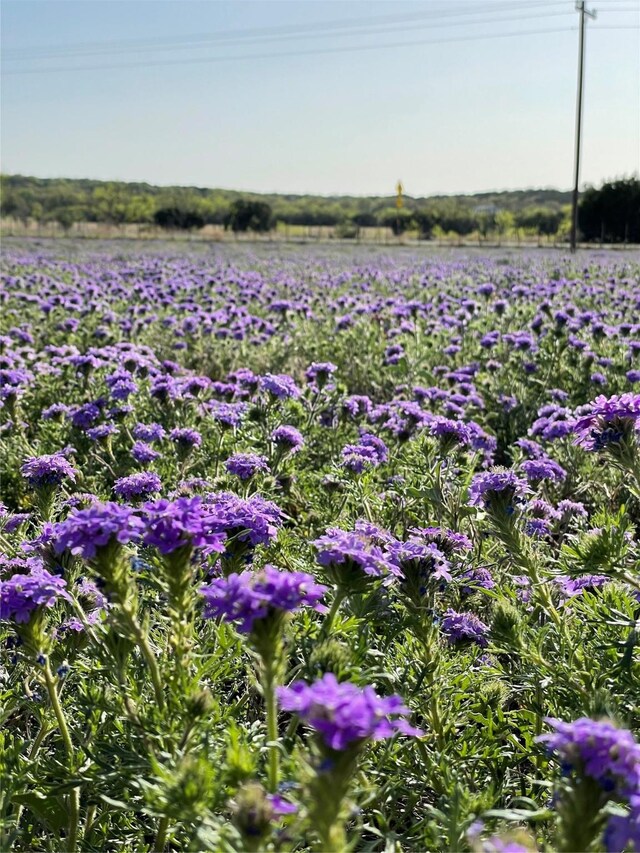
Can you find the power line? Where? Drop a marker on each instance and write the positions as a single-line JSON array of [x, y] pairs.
[[301, 53], [362, 32], [267, 32]]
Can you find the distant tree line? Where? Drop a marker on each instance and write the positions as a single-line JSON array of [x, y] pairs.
[[610, 213]]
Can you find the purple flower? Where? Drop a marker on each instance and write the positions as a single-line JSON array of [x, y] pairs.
[[476, 578], [368, 453], [608, 421], [252, 520], [279, 385], [12, 522], [569, 508], [543, 469], [149, 432], [393, 354], [569, 587], [318, 373], [143, 453], [448, 541], [530, 448], [497, 490], [349, 553], [622, 832], [185, 522], [54, 412], [464, 627], [226, 414], [84, 416], [139, 485], [343, 714], [419, 561], [251, 596], [20, 595], [450, 433], [100, 525], [48, 470], [186, 438], [245, 465], [599, 749], [280, 806], [287, 438], [101, 432], [538, 527], [357, 405]]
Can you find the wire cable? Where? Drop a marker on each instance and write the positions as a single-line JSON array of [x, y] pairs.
[[297, 53], [266, 33]]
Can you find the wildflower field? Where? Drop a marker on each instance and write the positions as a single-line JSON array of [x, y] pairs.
[[319, 550]]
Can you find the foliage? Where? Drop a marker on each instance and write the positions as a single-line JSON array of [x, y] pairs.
[[249, 216], [113, 202], [355, 615], [611, 213]]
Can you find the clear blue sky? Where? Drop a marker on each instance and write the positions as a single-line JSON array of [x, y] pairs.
[[270, 96]]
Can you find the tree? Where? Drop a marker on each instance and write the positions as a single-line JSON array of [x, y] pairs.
[[249, 216], [505, 221], [398, 220], [426, 220], [176, 217], [544, 222], [611, 213]]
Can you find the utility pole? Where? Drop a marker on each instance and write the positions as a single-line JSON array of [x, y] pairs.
[[585, 13]]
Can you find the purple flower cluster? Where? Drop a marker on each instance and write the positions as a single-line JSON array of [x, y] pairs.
[[447, 541], [451, 433], [136, 486], [48, 470], [419, 560], [599, 749], [21, 594], [354, 550], [149, 432], [279, 385], [497, 489], [89, 530], [344, 714], [143, 453], [184, 522], [287, 438], [623, 831], [185, 437], [246, 465], [464, 627], [608, 421], [318, 373], [370, 452], [252, 596], [543, 469], [570, 587], [254, 520]]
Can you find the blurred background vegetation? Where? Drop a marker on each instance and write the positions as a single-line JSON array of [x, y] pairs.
[[608, 214]]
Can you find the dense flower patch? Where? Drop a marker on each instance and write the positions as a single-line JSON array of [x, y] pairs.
[[320, 552]]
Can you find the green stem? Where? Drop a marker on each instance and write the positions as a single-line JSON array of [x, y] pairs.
[[149, 657], [328, 622], [272, 727], [71, 841], [161, 836], [43, 731]]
